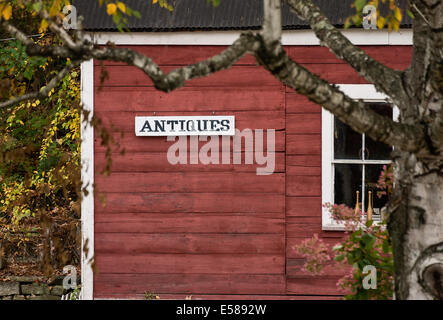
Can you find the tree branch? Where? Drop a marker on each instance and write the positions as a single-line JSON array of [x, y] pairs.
[[386, 80], [354, 113], [247, 42], [44, 91], [268, 52]]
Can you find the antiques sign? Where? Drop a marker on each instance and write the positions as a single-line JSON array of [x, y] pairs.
[[185, 126]]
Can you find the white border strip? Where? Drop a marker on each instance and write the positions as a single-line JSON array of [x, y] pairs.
[[289, 37], [87, 176]]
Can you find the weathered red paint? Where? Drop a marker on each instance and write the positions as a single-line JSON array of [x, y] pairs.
[[214, 231]]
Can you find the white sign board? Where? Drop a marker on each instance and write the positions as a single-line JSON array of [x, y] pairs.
[[185, 126]]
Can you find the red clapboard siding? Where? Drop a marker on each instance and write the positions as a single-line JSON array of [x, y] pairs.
[[303, 206], [118, 284], [188, 99], [319, 285], [157, 162], [237, 76], [303, 165], [303, 226], [191, 182], [124, 121], [296, 103], [397, 57], [189, 223], [189, 243], [221, 297], [191, 263], [303, 123], [196, 202], [214, 231], [334, 73], [304, 161], [131, 143], [303, 185], [303, 144], [303, 171]]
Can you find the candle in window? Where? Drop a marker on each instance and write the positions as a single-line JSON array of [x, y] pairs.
[[357, 205], [370, 206]]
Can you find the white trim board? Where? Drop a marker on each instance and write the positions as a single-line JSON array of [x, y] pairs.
[[365, 92], [87, 176], [289, 37]]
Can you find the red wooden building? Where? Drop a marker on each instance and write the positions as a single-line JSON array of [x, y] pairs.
[[221, 230]]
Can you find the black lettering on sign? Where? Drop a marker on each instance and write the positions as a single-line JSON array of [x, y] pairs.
[[146, 126]]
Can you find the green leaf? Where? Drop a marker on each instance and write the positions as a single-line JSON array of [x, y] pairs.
[[359, 5], [339, 257]]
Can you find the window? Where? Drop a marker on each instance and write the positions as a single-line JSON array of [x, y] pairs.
[[351, 161]]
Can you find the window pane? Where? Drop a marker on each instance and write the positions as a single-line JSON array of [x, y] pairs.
[[347, 142], [372, 173], [378, 150], [347, 182]]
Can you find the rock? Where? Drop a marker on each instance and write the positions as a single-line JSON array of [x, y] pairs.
[[35, 289], [9, 288], [7, 298], [19, 297], [57, 290], [57, 281], [44, 297]]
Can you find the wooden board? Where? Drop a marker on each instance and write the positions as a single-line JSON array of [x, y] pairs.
[[303, 185], [191, 263], [190, 182], [303, 144], [134, 99], [122, 222], [157, 162], [182, 283], [191, 202], [303, 206], [143, 243]]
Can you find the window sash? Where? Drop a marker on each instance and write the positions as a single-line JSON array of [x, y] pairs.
[[356, 91]]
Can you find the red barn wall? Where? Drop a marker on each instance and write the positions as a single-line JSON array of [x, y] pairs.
[[213, 231]]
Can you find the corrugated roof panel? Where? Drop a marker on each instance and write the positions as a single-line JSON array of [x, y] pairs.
[[201, 15]]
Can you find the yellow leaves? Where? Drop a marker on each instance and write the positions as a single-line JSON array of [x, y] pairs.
[[154, 1], [381, 22], [43, 26], [121, 6], [111, 8], [7, 12], [397, 14]]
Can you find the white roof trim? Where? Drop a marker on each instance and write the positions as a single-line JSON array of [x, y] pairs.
[[289, 37]]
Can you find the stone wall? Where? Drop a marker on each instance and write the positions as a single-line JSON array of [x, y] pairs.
[[30, 288]]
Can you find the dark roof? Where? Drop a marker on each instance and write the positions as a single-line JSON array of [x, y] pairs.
[[191, 15]]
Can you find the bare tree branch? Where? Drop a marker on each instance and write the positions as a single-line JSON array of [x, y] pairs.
[[268, 51], [354, 113], [386, 80], [247, 42]]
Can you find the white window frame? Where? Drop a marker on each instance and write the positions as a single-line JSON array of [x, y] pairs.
[[368, 93]]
